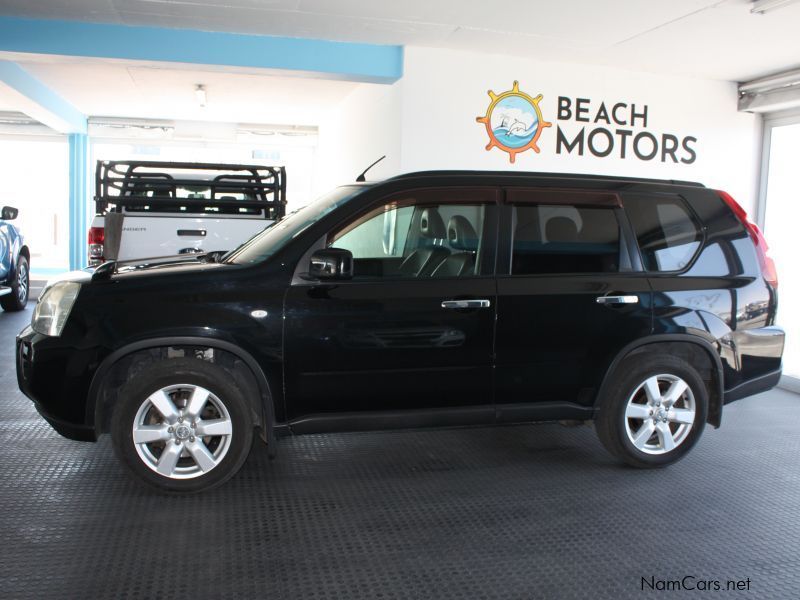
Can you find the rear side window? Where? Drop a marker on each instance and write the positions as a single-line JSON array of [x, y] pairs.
[[667, 233], [563, 238]]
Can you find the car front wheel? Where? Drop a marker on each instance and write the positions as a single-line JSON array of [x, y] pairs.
[[182, 425], [654, 410]]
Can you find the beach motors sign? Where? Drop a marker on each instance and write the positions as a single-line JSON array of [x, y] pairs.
[[514, 123]]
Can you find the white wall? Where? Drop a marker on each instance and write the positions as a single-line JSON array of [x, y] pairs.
[[427, 121], [443, 91], [361, 129]]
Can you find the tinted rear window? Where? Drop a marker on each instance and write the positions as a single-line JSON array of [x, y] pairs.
[[667, 233], [565, 239]]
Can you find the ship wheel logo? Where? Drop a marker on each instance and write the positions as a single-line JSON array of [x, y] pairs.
[[513, 121]]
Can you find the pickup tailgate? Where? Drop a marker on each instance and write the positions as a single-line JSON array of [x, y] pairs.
[[164, 235]]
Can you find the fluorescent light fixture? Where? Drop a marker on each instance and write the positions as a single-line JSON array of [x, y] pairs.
[[771, 82], [200, 94], [762, 6]]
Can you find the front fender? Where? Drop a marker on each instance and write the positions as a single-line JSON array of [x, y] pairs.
[[95, 408]]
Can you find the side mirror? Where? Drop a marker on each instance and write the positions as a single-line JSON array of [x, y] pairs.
[[331, 263], [9, 213]]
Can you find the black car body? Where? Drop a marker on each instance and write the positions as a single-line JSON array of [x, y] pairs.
[[15, 259], [459, 298]]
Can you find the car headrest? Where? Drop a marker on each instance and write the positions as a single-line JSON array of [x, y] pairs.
[[431, 224], [561, 229], [461, 234]]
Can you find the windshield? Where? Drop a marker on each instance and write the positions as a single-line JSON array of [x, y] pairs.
[[277, 235]]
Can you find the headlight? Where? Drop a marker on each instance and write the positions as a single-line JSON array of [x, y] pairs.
[[53, 308]]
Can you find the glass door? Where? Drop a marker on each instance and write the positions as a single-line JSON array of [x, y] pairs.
[[34, 170], [780, 216]]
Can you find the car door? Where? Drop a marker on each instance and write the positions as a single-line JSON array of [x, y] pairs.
[[571, 296], [409, 339]]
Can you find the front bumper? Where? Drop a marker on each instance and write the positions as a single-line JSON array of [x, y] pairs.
[[56, 378]]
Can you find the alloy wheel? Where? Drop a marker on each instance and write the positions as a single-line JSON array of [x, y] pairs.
[[182, 431], [660, 414], [22, 282]]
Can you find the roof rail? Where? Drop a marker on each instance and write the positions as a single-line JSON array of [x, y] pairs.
[[540, 175]]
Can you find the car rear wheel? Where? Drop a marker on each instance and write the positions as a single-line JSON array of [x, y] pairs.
[[18, 298], [182, 426], [654, 410]]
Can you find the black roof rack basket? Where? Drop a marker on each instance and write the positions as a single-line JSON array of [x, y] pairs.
[[132, 183]]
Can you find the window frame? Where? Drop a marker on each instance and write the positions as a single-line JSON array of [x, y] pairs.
[[487, 253], [630, 259]]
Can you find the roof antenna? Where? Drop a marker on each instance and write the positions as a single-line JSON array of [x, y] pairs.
[[362, 177]]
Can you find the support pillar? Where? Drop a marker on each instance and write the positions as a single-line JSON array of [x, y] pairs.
[[78, 199]]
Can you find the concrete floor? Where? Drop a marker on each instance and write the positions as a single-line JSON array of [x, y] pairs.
[[495, 512]]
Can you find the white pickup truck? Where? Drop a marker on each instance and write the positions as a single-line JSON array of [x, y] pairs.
[[149, 209]]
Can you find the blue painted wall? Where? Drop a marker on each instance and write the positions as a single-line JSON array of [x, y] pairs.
[[337, 60]]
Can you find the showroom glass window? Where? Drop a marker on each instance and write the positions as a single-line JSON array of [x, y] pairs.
[[556, 232], [668, 236], [430, 233]]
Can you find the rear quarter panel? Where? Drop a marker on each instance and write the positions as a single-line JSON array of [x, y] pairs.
[[722, 296]]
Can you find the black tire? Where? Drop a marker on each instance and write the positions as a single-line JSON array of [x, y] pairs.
[[184, 372], [18, 298], [611, 422]]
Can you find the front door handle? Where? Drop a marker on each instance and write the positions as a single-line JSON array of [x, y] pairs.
[[618, 299], [466, 303]]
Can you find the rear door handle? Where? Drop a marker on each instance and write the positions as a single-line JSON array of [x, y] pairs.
[[192, 232], [466, 303], [618, 299]]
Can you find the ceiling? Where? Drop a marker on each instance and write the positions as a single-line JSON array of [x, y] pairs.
[[103, 87], [718, 39]]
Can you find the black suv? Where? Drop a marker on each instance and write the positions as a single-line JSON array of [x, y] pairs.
[[429, 299]]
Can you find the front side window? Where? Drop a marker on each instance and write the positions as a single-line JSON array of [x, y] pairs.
[[565, 238], [382, 235], [428, 234], [668, 236]]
